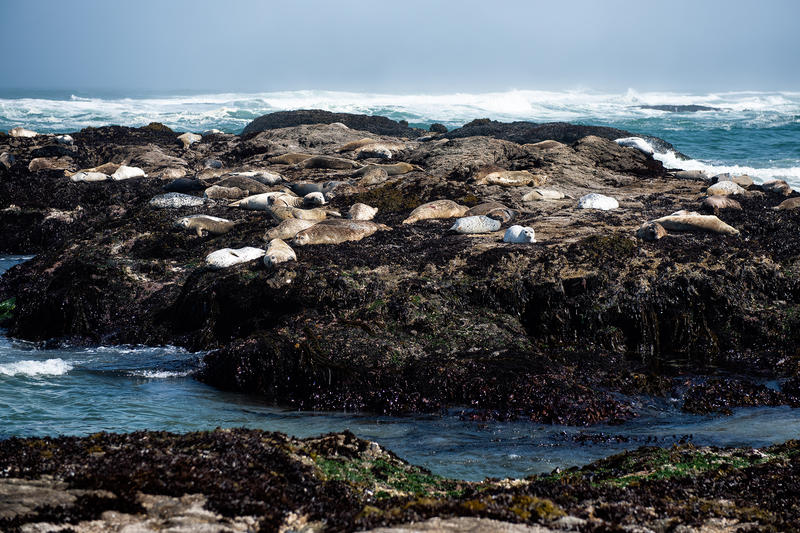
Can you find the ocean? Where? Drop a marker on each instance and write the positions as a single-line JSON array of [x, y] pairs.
[[754, 133]]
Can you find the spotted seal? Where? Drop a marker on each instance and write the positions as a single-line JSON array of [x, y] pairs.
[[244, 183], [716, 202], [278, 252], [597, 201], [690, 221], [89, 176], [126, 172], [292, 158], [217, 192], [519, 235], [436, 209], [337, 231], [288, 228], [317, 214], [475, 224], [257, 202], [261, 176], [381, 150], [512, 178], [205, 224], [538, 195], [228, 257], [494, 210], [724, 188], [359, 211], [174, 200]]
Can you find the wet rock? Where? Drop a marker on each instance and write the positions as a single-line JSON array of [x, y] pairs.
[[373, 124]]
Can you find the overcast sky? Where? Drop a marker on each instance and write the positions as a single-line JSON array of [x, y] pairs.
[[400, 46]]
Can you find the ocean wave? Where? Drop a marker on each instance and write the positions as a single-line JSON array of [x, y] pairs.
[[49, 367], [159, 374]]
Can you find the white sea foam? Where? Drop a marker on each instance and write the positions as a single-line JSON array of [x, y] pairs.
[[158, 374], [49, 367]]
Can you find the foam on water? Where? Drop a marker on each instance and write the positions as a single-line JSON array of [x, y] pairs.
[[48, 367]]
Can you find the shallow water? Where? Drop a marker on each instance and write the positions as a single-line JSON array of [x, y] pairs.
[[122, 388]]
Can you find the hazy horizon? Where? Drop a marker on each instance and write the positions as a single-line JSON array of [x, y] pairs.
[[400, 48]]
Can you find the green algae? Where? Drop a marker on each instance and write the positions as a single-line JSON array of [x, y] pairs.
[[7, 309]]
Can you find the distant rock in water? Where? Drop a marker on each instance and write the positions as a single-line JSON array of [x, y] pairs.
[[680, 108], [531, 132], [375, 124]]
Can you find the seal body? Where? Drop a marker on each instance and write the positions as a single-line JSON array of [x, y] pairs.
[[257, 202], [278, 252], [205, 224], [695, 222], [724, 188], [691, 175], [538, 195], [125, 173], [291, 158], [494, 210], [549, 144], [436, 209], [174, 200], [216, 192], [228, 257], [777, 187], [188, 139], [317, 214], [352, 145], [651, 231], [289, 228], [65, 139], [172, 173], [337, 231], [519, 234], [791, 203], [513, 178], [21, 132], [382, 150], [246, 184], [597, 201], [7, 159], [374, 176], [261, 176], [395, 169], [475, 224], [359, 211], [637, 143], [742, 180], [89, 176], [714, 203], [328, 162]]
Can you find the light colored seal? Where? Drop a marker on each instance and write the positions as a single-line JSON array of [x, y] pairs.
[[278, 252], [288, 228], [175, 200], [172, 173], [724, 188], [597, 201], [317, 214], [105, 168], [791, 203], [513, 178], [519, 234], [327, 162], [261, 176], [212, 131], [691, 175], [715, 203], [291, 158], [49, 163], [286, 200], [436, 209], [244, 183], [21, 132], [695, 222], [636, 142], [189, 139], [125, 173], [381, 150], [352, 145], [257, 202], [65, 139], [475, 224], [538, 195], [314, 198], [777, 187], [89, 176], [395, 169], [337, 231], [373, 176], [228, 257], [205, 224], [549, 144], [217, 192], [651, 231], [359, 211]]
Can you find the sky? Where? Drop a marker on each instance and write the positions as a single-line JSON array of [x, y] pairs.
[[400, 46]]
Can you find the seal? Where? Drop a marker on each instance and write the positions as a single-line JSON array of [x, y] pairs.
[[185, 185], [174, 200], [288, 228], [549, 144], [7, 159], [205, 224], [49, 163], [359, 211], [538, 195], [314, 198], [217, 192], [189, 139], [89, 176], [352, 145], [691, 175], [715, 203], [494, 210], [327, 162], [278, 252], [436, 209], [65, 139], [125, 173], [257, 202], [395, 169], [742, 180], [381, 150], [172, 173], [724, 188], [105, 168], [651, 231], [291, 158], [777, 187], [791, 203], [513, 178], [228, 257], [317, 214], [519, 234], [373, 176], [246, 184], [597, 201], [337, 231], [21, 132], [636, 142], [261, 176], [475, 224], [690, 221]]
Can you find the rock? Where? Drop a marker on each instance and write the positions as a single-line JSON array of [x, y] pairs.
[[537, 195], [475, 224], [175, 200], [6, 159], [21, 132], [597, 201], [724, 188], [651, 231], [172, 173], [716, 202], [437, 128], [637, 143], [213, 163], [777, 187], [65, 139], [742, 180], [228, 257], [185, 185], [89, 176], [373, 124], [124, 173], [519, 234], [188, 139]]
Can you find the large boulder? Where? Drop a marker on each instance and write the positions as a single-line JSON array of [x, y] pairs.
[[373, 124]]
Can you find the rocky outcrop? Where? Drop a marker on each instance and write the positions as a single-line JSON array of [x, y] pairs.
[[374, 124]]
